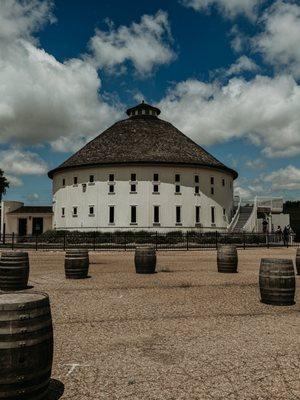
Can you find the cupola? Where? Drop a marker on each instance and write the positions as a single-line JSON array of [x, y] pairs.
[[142, 110]]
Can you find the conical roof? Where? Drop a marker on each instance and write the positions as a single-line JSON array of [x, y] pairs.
[[143, 138]]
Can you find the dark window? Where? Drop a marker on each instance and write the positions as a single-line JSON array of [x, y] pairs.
[[133, 214], [212, 190], [133, 188], [155, 177], [223, 182], [197, 190], [197, 217], [63, 212], [224, 211], [178, 214], [64, 182], [111, 188], [92, 178], [177, 188], [156, 214], [196, 178], [75, 211], [177, 178], [155, 188], [212, 180], [111, 177], [91, 210], [111, 214], [212, 215], [133, 177], [75, 180]]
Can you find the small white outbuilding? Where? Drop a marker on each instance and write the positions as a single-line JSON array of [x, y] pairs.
[[142, 173]]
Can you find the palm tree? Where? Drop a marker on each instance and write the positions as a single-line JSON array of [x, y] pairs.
[[4, 184]]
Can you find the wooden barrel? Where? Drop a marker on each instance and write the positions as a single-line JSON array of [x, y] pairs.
[[277, 281], [26, 345], [227, 259], [76, 264], [14, 270], [298, 261], [145, 260]]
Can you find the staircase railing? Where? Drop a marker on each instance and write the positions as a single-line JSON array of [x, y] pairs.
[[250, 225], [235, 218]]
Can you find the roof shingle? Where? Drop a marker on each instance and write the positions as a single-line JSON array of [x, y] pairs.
[[142, 139]]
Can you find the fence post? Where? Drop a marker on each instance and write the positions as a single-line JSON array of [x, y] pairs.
[[4, 228], [13, 241], [64, 241], [94, 241], [187, 240], [156, 240], [36, 242], [217, 240], [125, 248], [267, 240], [244, 242]]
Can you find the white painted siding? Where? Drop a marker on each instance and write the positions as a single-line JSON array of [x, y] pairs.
[[96, 194]]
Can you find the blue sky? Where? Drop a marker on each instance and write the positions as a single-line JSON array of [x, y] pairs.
[[224, 72]]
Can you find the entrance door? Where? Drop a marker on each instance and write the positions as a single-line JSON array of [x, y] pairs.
[[37, 226], [22, 226]]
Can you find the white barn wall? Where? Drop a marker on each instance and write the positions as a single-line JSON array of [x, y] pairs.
[[97, 195]]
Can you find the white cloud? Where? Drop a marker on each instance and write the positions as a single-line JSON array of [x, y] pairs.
[[279, 41], [256, 164], [264, 110], [243, 64], [239, 40], [14, 181], [230, 8], [145, 44], [287, 178], [275, 183], [22, 18], [33, 197], [42, 99], [19, 162], [243, 193]]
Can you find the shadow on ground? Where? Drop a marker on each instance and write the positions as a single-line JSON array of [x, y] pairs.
[[56, 390]]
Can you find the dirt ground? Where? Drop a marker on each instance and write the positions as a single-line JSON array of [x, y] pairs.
[[186, 332]]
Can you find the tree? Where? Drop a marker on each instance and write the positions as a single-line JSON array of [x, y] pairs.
[[4, 184]]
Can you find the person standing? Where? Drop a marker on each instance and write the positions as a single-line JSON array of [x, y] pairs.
[[285, 235]]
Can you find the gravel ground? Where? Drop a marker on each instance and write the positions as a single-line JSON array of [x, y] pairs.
[[186, 332]]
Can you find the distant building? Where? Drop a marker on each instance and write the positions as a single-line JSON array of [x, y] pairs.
[[142, 173], [25, 220], [264, 214]]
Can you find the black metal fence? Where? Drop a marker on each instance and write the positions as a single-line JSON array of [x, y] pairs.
[[128, 241]]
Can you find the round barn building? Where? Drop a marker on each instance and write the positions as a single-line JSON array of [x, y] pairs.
[[142, 173]]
